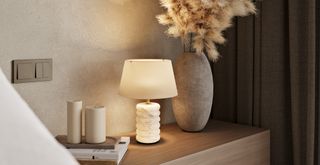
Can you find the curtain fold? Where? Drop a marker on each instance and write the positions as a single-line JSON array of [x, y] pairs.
[[317, 144], [302, 58], [266, 77]]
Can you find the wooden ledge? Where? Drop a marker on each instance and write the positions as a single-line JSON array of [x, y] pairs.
[[176, 144]]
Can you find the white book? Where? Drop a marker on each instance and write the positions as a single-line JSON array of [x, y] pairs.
[[115, 154]]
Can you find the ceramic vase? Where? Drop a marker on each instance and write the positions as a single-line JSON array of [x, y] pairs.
[[192, 106]]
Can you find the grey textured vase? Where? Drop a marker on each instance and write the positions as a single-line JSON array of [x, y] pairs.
[[194, 80]]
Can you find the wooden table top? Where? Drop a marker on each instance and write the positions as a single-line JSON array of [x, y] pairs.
[[176, 143]]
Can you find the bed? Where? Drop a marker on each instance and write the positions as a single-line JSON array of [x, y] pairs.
[[24, 140]]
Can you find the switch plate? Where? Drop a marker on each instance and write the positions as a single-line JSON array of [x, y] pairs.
[[32, 70]]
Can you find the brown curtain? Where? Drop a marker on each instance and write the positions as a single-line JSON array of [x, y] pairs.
[[266, 77]]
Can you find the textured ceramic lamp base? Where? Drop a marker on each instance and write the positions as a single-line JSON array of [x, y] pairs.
[[148, 123]]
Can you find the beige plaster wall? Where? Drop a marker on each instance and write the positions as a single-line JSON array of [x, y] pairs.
[[88, 41]]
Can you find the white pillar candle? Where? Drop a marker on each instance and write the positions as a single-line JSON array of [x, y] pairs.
[[95, 126], [74, 109], [148, 122]]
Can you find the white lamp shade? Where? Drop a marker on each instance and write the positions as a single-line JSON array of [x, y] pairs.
[[148, 79]]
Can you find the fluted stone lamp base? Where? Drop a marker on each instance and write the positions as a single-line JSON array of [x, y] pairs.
[[148, 122]]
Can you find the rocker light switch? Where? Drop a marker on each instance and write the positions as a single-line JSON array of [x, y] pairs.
[[31, 70], [25, 71], [39, 70]]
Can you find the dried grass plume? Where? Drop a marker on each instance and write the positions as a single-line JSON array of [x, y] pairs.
[[206, 19]]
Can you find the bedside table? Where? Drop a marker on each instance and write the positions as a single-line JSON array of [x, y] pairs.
[[220, 143]]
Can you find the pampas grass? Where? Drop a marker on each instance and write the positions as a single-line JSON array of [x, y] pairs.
[[205, 19]]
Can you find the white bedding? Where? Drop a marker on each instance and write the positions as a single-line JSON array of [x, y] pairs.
[[24, 140]]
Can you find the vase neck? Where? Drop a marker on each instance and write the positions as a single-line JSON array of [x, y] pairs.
[[188, 44]]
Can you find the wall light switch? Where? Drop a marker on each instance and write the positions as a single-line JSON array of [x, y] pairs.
[[31, 70], [25, 71], [39, 70]]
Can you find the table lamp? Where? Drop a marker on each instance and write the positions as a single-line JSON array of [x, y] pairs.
[[148, 79]]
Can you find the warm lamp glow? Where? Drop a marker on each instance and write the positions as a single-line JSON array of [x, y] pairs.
[[148, 79]]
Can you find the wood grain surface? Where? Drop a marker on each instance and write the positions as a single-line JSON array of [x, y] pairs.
[[227, 142]]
